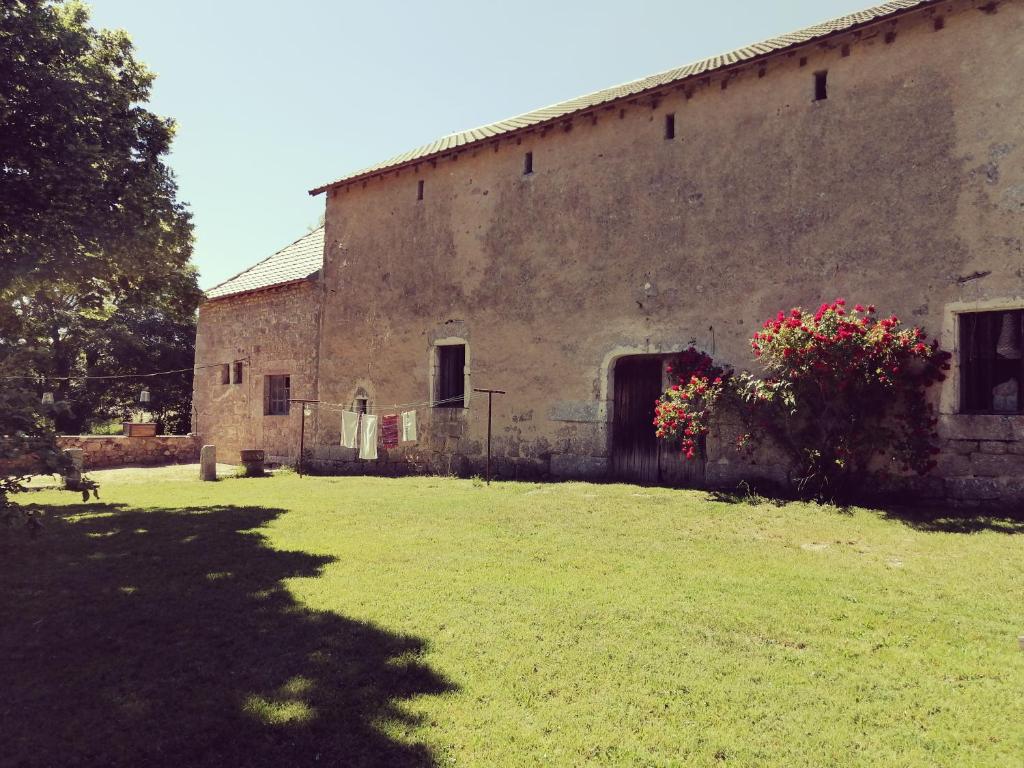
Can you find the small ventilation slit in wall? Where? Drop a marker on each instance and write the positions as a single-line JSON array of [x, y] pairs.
[[670, 126], [528, 163], [803, 61], [762, 72], [940, 23], [419, 189], [821, 85], [845, 51], [890, 37]]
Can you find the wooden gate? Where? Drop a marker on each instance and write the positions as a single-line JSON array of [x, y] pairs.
[[637, 455]]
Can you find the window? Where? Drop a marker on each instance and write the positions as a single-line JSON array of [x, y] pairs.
[[451, 375], [670, 126], [278, 391], [361, 405], [991, 364], [237, 379], [821, 85], [419, 189], [225, 374], [528, 163]]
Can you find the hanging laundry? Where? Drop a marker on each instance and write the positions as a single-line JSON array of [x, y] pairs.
[[409, 427], [349, 428], [368, 437], [389, 431]]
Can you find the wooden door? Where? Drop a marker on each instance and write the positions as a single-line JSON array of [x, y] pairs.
[[635, 450]]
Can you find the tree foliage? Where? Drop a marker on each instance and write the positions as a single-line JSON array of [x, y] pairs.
[[94, 243]]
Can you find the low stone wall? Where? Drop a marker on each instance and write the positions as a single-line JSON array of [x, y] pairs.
[[982, 460], [103, 451]]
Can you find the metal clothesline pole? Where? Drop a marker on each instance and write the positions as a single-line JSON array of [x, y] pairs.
[[490, 395], [302, 429]]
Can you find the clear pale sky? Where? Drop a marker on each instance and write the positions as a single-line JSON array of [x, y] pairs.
[[275, 98]]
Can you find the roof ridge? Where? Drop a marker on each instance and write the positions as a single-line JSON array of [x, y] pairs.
[[761, 48]]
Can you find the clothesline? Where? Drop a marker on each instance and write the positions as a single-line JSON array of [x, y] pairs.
[[337, 407], [84, 377]]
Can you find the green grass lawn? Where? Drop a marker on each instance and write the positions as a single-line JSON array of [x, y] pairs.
[[362, 621]]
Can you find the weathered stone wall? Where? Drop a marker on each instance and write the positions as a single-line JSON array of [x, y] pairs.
[[273, 332], [983, 459], [105, 451], [905, 188]]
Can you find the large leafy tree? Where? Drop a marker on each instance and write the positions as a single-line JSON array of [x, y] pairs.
[[94, 244], [95, 276]]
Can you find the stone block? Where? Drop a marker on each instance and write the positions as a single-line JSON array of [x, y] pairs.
[[953, 464], [962, 446], [77, 456], [577, 466], [973, 488], [992, 446], [575, 410], [208, 463], [471, 447], [980, 427], [997, 465]]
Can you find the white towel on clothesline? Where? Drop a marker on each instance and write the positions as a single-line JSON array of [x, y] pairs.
[[368, 437], [409, 427], [349, 428]]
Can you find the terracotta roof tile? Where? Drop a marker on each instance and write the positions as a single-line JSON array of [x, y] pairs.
[[299, 261], [635, 87]]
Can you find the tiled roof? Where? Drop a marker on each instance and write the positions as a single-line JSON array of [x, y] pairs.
[[774, 45], [298, 261]]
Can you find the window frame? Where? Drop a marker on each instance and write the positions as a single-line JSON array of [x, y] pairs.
[[436, 373], [274, 404], [821, 86], [972, 381]]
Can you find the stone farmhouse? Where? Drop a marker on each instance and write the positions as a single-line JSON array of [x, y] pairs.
[[561, 256]]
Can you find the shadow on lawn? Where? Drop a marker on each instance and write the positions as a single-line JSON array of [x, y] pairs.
[[166, 637], [948, 522], [918, 517]]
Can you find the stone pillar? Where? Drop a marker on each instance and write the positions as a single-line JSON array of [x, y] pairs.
[[208, 463], [74, 476]]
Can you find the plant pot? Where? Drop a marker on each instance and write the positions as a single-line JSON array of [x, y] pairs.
[[139, 428], [253, 459]]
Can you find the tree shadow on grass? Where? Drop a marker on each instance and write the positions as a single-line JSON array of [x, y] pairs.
[[167, 637], [918, 517], [956, 521]]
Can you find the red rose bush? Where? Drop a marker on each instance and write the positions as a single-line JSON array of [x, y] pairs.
[[842, 398]]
